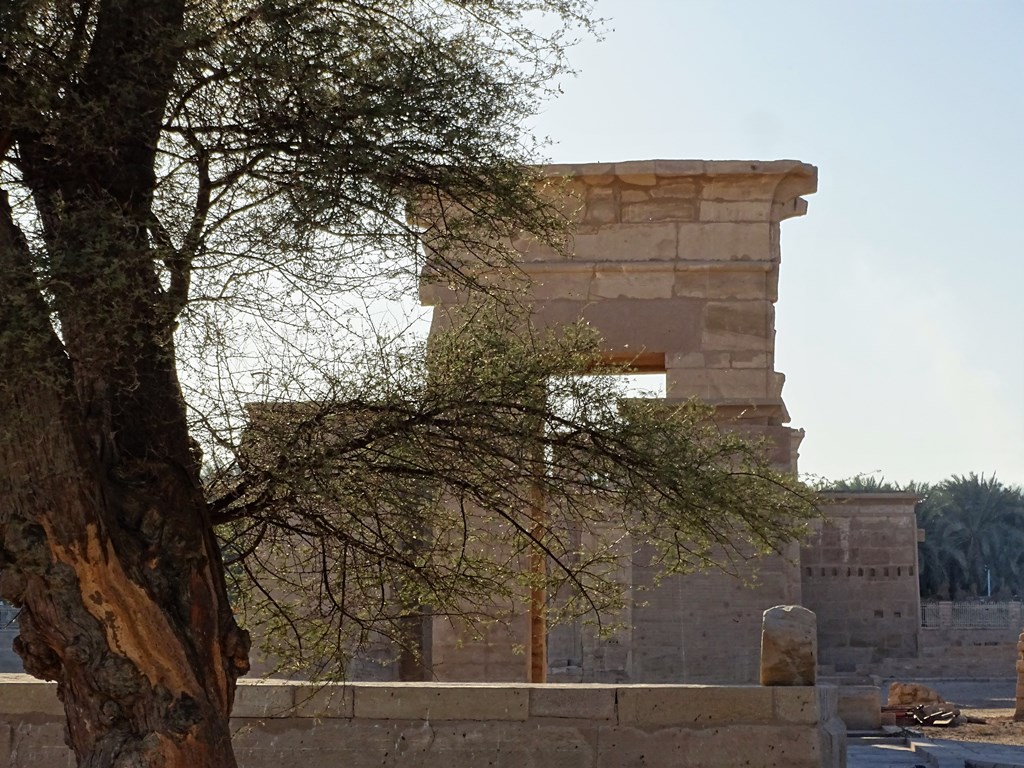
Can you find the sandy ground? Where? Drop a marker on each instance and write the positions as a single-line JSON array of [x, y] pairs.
[[999, 728], [990, 700]]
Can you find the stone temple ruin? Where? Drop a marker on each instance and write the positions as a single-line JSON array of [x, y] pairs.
[[676, 264]]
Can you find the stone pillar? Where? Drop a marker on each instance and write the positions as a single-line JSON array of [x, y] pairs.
[[1019, 711]]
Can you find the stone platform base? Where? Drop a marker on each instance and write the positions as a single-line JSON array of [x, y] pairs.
[[408, 725]]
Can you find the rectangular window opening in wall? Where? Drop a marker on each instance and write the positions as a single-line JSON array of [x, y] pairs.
[[645, 385], [566, 393], [879, 614]]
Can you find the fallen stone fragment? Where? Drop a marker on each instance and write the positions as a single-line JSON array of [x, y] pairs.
[[913, 693]]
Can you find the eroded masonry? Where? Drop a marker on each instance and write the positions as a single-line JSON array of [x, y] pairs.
[[676, 264]]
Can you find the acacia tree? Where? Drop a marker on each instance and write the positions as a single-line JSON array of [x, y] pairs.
[[189, 188]]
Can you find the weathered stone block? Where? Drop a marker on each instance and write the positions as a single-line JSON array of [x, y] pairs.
[[725, 241], [716, 383], [531, 249], [627, 242], [694, 704], [686, 360], [23, 694], [684, 189], [625, 746], [796, 704], [574, 285], [717, 210], [832, 738], [748, 359], [745, 281], [264, 698], [328, 701], [677, 168], [601, 212], [573, 701], [634, 195], [637, 172], [789, 646], [631, 285], [596, 173], [740, 188], [745, 318], [725, 747], [451, 701], [659, 210], [913, 693], [35, 744], [860, 707]]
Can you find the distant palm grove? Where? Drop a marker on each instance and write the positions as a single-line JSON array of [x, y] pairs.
[[974, 535]]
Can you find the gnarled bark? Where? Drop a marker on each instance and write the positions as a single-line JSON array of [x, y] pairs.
[[106, 541]]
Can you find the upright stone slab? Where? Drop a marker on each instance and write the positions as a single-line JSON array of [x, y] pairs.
[[789, 646]]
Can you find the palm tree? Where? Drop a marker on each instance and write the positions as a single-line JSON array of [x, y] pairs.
[[974, 526]]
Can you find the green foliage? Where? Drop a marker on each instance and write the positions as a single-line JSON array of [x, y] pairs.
[[433, 488], [868, 483], [973, 526]]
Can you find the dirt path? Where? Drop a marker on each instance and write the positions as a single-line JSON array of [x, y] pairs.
[[999, 728]]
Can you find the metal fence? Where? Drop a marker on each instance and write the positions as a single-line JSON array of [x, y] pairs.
[[963, 615]]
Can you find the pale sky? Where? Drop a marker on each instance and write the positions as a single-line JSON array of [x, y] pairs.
[[900, 316]]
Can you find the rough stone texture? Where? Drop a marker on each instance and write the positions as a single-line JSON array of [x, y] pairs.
[[913, 693], [573, 726], [860, 707], [789, 646]]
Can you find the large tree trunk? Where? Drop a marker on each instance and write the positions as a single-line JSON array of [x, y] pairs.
[[113, 561], [106, 541]]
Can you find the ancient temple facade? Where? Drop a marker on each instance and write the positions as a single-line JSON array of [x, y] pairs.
[[676, 264]]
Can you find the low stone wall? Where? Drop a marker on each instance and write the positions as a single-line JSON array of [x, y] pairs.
[[469, 725], [957, 653]]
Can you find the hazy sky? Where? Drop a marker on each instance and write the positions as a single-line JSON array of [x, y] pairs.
[[900, 316]]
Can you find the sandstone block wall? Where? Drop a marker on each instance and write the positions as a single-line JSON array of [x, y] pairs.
[[473, 726], [859, 575], [677, 258], [676, 264], [957, 653]]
